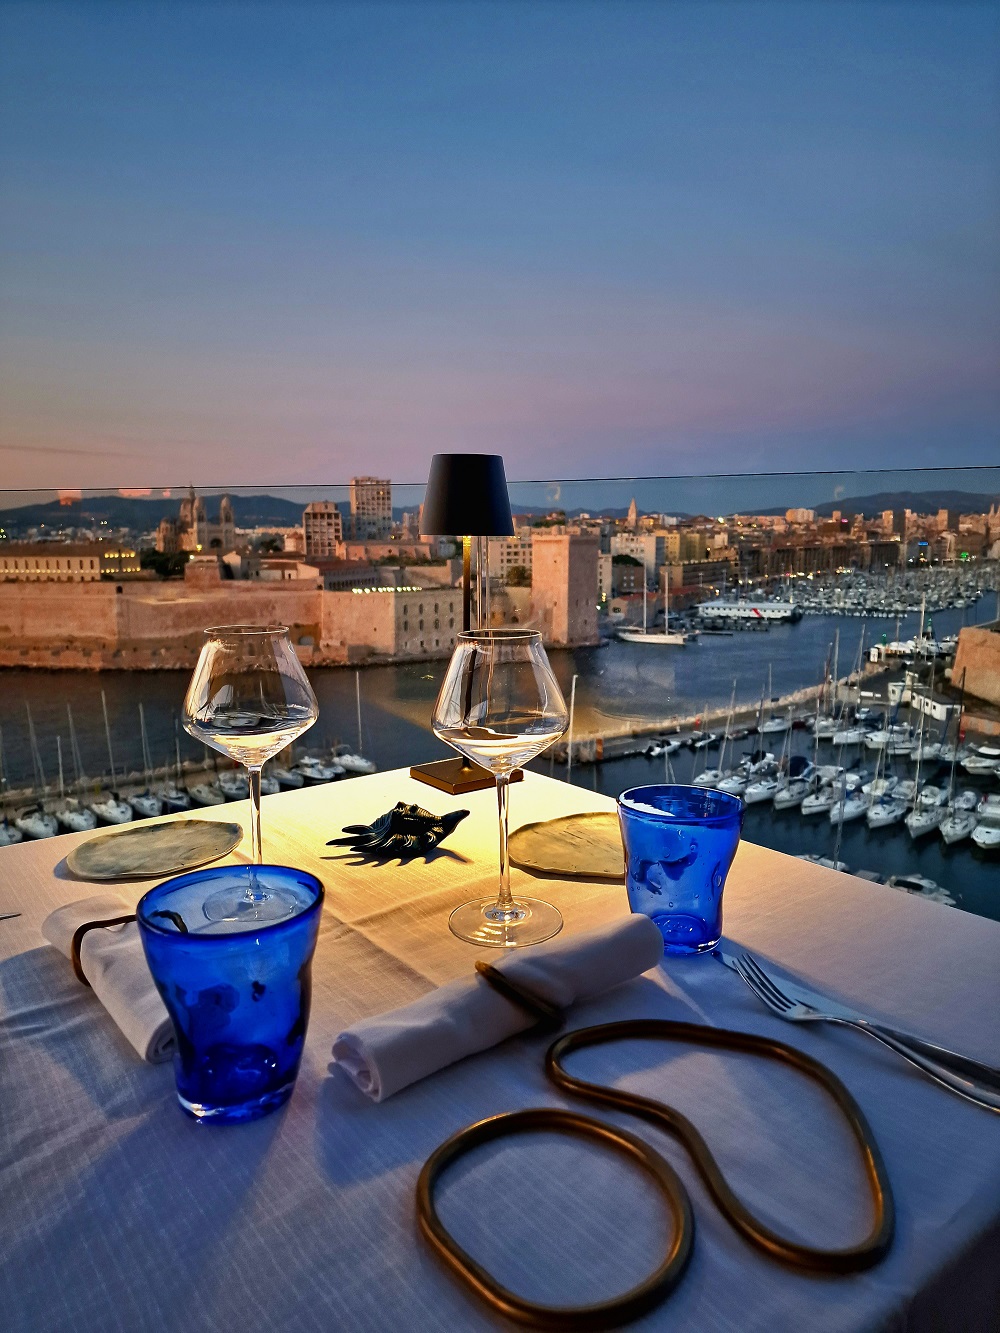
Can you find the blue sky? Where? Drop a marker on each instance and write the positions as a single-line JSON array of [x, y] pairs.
[[277, 244]]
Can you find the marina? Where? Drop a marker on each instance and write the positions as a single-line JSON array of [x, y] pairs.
[[647, 706]]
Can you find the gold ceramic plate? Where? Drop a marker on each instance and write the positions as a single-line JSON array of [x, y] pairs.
[[144, 850], [575, 846]]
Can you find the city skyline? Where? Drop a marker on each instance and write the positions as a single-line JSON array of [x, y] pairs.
[[278, 244]]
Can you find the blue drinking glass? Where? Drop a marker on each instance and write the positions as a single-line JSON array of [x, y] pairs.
[[679, 844], [237, 990]]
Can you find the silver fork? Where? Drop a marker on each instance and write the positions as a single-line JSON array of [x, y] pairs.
[[795, 1011]]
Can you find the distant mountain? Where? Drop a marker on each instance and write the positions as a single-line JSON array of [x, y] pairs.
[[921, 502], [143, 515]]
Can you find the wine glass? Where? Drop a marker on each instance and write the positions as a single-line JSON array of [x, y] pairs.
[[500, 705], [248, 698]]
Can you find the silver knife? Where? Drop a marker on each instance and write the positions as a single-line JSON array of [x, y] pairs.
[[962, 1065]]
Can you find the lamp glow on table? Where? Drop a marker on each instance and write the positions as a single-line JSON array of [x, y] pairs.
[[500, 705]]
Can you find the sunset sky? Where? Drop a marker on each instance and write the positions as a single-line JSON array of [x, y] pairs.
[[280, 243]]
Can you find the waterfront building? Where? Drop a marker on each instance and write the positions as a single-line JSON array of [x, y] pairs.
[[564, 587], [371, 508], [649, 548], [66, 562], [800, 515], [148, 624], [977, 662], [510, 553], [322, 528], [192, 530]]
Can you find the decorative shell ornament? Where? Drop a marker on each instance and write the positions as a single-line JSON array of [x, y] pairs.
[[403, 831]]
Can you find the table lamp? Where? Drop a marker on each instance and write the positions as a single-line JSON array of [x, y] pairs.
[[466, 497]]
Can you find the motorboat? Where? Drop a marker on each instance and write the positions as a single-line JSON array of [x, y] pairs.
[[885, 811], [775, 726], [315, 772], [986, 836], [287, 778], [931, 796], [111, 810], [76, 818], [850, 736], [206, 794], [36, 823], [764, 789], [849, 808], [269, 785], [923, 820], [815, 859], [353, 763], [734, 785], [983, 759], [921, 887], [145, 805], [709, 777], [957, 825], [702, 742], [966, 800]]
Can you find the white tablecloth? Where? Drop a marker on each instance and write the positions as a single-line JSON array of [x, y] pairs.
[[119, 1213]]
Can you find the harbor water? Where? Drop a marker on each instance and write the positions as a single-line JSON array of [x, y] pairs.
[[620, 686]]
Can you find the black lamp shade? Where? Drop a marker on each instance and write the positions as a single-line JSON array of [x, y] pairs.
[[466, 496]]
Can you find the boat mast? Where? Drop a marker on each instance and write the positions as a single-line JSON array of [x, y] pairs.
[[147, 763], [107, 733], [357, 700], [958, 733], [62, 784], [74, 748]]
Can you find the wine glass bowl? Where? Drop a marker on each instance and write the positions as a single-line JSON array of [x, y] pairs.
[[248, 698], [500, 705]]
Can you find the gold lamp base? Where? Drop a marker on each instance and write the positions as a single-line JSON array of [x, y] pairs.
[[456, 776]]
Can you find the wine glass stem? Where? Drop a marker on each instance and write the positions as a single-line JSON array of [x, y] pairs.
[[505, 901], [253, 777]]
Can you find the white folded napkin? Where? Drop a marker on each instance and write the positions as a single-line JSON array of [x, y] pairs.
[[389, 1052], [114, 963]]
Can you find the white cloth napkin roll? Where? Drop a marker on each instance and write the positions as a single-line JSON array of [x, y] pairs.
[[389, 1052], [114, 963]]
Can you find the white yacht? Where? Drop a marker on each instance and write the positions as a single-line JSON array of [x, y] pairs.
[[764, 789], [110, 810], [819, 802], [145, 805], [315, 772], [206, 794], [269, 785], [287, 778], [850, 807], [735, 784], [665, 638], [850, 736], [957, 825], [353, 763], [791, 793], [76, 818], [234, 785], [987, 837], [174, 798], [885, 811], [9, 833], [923, 820], [36, 823]]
